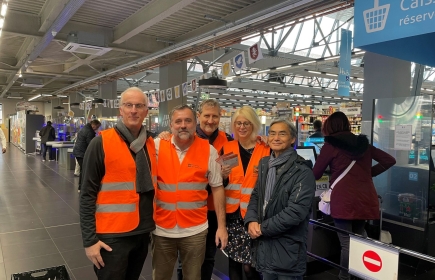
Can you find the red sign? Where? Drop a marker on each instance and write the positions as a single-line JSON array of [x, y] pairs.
[[372, 261], [253, 51]]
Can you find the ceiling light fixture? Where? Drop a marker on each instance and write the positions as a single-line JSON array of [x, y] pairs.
[[34, 97], [98, 101], [15, 97], [47, 94], [307, 62], [283, 67], [4, 9], [314, 72], [263, 71], [62, 96], [213, 81], [333, 75], [332, 57]]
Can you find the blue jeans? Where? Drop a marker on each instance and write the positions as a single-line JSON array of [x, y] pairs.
[[268, 276], [44, 152]]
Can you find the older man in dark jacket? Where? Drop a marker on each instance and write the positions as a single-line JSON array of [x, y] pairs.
[[47, 133], [84, 137], [278, 212]]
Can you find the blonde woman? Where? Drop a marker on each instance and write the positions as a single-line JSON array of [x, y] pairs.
[[239, 182]]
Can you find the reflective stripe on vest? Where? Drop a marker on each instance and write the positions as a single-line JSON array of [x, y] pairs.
[[181, 205], [247, 191], [116, 208], [233, 187], [118, 186], [230, 200], [244, 205]]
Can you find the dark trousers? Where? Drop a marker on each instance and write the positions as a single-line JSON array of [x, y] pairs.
[[44, 152], [210, 249], [127, 258], [355, 226], [80, 161], [267, 276]]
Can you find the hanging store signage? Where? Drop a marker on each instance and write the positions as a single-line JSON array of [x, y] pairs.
[[193, 85], [169, 94], [239, 62], [403, 29], [369, 260], [177, 91], [255, 53], [162, 96], [344, 65], [184, 88], [226, 69]]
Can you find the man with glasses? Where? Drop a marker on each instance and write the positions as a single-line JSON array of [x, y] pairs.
[[116, 202], [186, 165], [279, 208]]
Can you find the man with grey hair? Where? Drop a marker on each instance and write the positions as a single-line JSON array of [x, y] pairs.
[[186, 165], [279, 209], [116, 202]]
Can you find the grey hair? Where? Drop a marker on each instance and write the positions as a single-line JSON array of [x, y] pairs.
[[209, 102], [291, 127], [134, 89], [180, 108]]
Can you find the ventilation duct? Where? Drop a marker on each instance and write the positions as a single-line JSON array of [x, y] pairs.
[[32, 82]]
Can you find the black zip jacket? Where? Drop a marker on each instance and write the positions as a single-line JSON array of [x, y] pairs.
[[282, 249]]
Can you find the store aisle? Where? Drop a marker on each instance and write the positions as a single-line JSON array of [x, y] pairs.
[[39, 220]]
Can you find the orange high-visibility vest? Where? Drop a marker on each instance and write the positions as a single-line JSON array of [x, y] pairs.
[[238, 192], [181, 195], [118, 202], [218, 143]]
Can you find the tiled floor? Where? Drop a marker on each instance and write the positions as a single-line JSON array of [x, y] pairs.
[[39, 221]]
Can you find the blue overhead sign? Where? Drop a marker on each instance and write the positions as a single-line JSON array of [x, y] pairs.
[[344, 65], [399, 28]]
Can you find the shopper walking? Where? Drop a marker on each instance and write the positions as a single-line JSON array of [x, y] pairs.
[[239, 183], [279, 208], [354, 199], [84, 137], [186, 165], [47, 133], [116, 201], [3, 141]]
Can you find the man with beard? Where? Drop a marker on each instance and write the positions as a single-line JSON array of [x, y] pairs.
[[186, 165]]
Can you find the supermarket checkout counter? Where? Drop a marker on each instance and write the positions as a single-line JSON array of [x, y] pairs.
[[62, 147]]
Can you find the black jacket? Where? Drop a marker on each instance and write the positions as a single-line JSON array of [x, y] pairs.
[[282, 247], [47, 133], [84, 137]]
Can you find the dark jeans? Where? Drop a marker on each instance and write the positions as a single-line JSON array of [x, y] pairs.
[[210, 249], [44, 151], [355, 226], [267, 276], [127, 258], [80, 162]]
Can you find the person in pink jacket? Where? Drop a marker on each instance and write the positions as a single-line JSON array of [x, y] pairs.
[[354, 199]]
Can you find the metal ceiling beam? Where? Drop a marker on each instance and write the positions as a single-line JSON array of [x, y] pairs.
[[64, 16], [146, 17], [49, 13], [259, 16]]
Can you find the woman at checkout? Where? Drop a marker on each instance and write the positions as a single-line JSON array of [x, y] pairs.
[[239, 183], [354, 199]]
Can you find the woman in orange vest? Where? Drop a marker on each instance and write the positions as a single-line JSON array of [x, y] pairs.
[[239, 182]]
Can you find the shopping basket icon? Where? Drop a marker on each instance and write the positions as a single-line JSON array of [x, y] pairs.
[[376, 17]]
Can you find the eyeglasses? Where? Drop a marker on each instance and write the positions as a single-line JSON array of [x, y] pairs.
[[245, 124], [137, 106]]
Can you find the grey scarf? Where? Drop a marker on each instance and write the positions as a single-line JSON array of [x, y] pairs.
[[271, 174], [144, 182]]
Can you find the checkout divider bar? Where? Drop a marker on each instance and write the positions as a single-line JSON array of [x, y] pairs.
[[374, 241]]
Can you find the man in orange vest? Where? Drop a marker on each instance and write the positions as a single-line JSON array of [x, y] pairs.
[[186, 165], [209, 115], [116, 202]]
